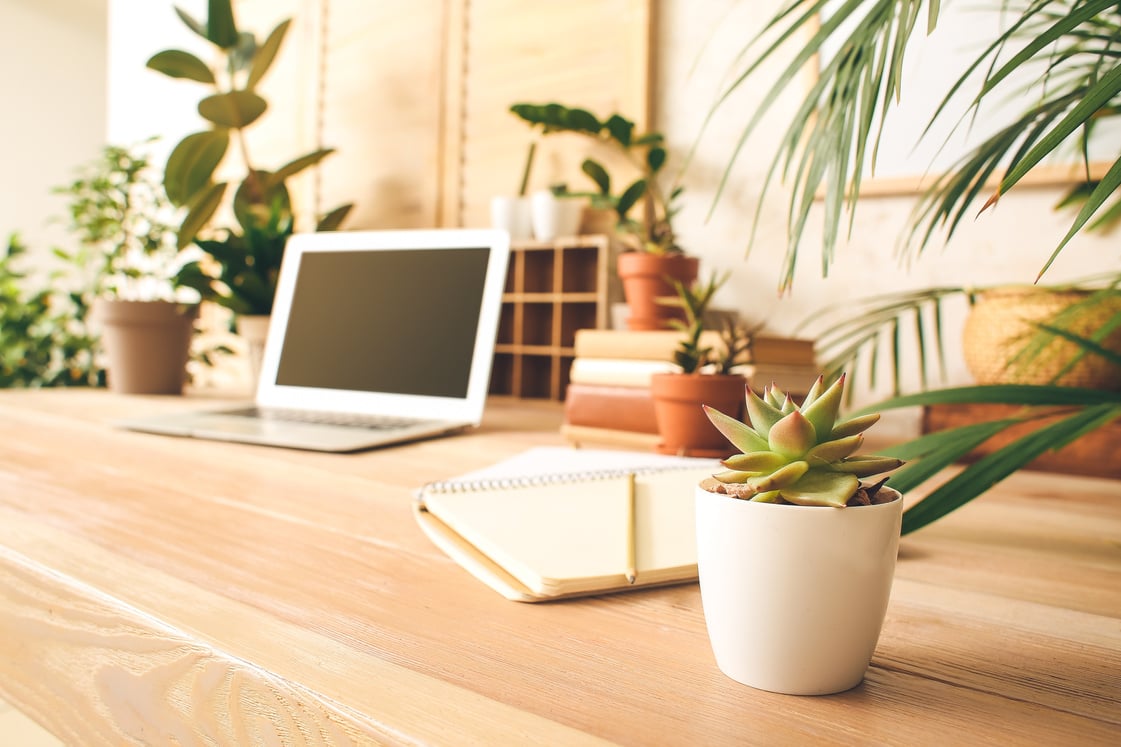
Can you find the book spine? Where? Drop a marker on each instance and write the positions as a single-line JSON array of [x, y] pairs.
[[617, 371], [660, 345], [579, 435], [614, 407]]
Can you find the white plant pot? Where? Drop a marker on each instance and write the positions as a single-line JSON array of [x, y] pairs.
[[794, 596], [254, 330], [554, 216], [513, 214]]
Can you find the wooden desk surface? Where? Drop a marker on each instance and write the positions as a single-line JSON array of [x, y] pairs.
[[154, 589]]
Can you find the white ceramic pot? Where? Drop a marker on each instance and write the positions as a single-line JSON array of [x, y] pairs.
[[794, 596], [513, 214], [554, 216], [254, 330]]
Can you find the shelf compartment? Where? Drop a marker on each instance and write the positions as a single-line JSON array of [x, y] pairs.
[[580, 270]]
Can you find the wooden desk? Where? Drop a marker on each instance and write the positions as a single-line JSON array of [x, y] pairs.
[[155, 590]]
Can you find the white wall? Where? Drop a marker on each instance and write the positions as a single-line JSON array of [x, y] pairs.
[[52, 108]]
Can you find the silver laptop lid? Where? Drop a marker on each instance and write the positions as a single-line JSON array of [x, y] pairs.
[[398, 323]]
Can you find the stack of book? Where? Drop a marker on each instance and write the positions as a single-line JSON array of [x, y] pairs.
[[608, 397]]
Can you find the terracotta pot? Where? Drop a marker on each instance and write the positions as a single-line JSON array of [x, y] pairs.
[[647, 277], [682, 424], [794, 597], [147, 344], [1001, 323]]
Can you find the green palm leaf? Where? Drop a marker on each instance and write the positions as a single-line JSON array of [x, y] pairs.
[[992, 468]]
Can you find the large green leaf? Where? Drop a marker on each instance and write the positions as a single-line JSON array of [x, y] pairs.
[[994, 467], [179, 64], [1009, 394], [266, 53], [192, 162], [220, 26], [191, 22], [199, 212], [334, 219], [235, 109], [294, 167]]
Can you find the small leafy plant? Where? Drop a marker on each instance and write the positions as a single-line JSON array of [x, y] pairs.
[[44, 340], [124, 226], [798, 454], [653, 232], [691, 354]]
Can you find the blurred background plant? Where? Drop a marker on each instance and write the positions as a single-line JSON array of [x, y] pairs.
[[124, 225], [124, 247], [245, 257], [44, 339], [646, 153]]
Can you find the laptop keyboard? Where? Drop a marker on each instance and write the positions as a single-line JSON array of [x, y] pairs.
[[372, 422]]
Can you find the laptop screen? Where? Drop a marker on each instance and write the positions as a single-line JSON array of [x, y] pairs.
[[400, 321]]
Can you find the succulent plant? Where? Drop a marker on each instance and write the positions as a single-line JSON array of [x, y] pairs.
[[798, 454]]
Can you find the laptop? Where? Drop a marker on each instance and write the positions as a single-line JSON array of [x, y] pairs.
[[376, 338]]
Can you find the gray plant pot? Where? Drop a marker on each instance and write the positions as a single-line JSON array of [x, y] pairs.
[[147, 344]]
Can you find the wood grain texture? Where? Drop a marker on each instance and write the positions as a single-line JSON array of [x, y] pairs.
[[157, 589]]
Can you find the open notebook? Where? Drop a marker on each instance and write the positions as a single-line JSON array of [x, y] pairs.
[[376, 338], [560, 522]]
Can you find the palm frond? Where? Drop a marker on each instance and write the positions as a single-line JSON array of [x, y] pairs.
[[990, 469], [1070, 50]]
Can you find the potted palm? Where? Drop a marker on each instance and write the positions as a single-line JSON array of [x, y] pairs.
[[244, 259], [795, 554], [136, 280], [706, 378], [1067, 51], [652, 260]]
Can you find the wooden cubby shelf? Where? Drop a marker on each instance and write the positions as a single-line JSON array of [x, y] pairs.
[[553, 288]]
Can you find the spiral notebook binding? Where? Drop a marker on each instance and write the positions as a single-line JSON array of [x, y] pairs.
[[530, 481]]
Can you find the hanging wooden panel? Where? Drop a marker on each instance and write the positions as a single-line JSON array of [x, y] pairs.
[[589, 53]]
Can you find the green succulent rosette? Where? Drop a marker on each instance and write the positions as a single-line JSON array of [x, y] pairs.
[[797, 454]]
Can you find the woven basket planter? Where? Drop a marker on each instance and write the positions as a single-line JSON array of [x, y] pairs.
[[1002, 322]]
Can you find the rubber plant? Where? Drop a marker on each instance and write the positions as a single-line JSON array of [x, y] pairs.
[[248, 254]]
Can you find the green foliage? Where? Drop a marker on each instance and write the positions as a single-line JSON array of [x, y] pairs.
[[797, 454], [122, 220], [1079, 411], [248, 255], [690, 354], [1068, 47], [44, 340], [870, 334], [653, 232]]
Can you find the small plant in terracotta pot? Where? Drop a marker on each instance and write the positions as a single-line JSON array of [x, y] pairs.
[[136, 282], [796, 554], [706, 377]]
